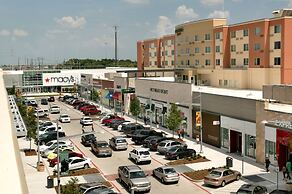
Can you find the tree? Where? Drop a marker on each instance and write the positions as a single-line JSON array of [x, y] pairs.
[[94, 95], [174, 118], [135, 108], [71, 187], [31, 126]]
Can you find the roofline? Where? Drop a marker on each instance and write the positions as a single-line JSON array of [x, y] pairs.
[[199, 21], [161, 37]]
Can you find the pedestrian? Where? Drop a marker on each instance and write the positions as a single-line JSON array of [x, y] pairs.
[[145, 120], [182, 131], [92, 128], [178, 133], [288, 167], [284, 170], [267, 164], [83, 129]]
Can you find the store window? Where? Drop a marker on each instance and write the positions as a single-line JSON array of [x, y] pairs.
[[271, 150], [225, 136], [250, 146]]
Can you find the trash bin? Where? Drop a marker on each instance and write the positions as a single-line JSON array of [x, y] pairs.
[[50, 182], [229, 162]]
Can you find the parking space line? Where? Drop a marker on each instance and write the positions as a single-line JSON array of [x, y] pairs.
[[200, 187]]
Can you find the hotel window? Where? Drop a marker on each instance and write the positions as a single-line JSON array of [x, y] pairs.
[[207, 49], [172, 62], [188, 62], [154, 54], [207, 37], [182, 62], [220, 82], [166, 63], [217, 35], [277, 45], [277, 29], [245, 47], [257, 46], [245, 32], [217, 61], [197, 50], [166, 53], [162, 43], [207, 62], [257, 31], [233, 34], [217, 49], [233, 62], [162, 63], [225, 132], [187, 50], [168, 42], [225, 82], [196, 38], [257, 61], [172, 42], [172, 52], [149, 54], [150, 63], [197, 62], [162, 53], [277, 61], [155, 63], [250, 145], [233, 48], [245, 61]]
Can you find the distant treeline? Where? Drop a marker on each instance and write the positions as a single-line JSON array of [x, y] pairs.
[[93, 63]]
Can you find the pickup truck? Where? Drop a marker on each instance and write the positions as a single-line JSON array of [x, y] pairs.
[[134, 178], [139, 137]]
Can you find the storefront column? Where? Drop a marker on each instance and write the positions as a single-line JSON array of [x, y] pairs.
[[190, 123], [243, 144]]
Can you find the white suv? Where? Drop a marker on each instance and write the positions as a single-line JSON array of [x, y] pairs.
[[55, 109], [64, 118], [140, 155], [86, 121]]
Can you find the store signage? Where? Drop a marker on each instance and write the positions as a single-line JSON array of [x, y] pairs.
[[128, 90], [157, 90], [60, 79], [216, 122], [198, 119], [281, 124]]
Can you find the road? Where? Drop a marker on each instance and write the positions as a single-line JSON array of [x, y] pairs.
[[108, 166]]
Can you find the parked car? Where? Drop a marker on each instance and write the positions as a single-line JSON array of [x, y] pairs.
[[40, 113], [46, 124], [53, 143], [95, 188], [101, 148], [81, 105], [44, 101], [82, 108], [66, 97], [53, 148], [130, 128], [54, 161], [121, 126], [251, 189], [221, 176], [148, 140], [106, 122], [76, 103], [52, 135], [86, 121], [54, 154], [114, 125], [118, 143], [179, 152], [166, 174], [279, 191], [134, 176], [51, 99], [140, 155], [77, 163], [55, 109], [166, 145], [86, 140], [139, 137], [48, 129], [91, 111], [64, 118]]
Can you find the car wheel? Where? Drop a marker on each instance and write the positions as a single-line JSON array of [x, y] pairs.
[[136, 161], [223, 184], [193, 154], [237, 177], [86, 166], [177, 157], [129, 187], [162, 180]]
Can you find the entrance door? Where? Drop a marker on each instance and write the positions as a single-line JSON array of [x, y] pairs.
[[283, 155], [235, 142]]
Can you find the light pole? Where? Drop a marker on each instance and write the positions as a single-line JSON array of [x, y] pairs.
[[58, 159], [201, 128], [38, 136]]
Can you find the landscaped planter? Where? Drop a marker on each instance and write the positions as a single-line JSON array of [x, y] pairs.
[[29, 152], [189, 160]]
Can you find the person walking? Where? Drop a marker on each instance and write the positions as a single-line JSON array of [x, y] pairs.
[[288, 167], [284, 170], [182, 131], [178, 133], [267, 162], [92, 128]]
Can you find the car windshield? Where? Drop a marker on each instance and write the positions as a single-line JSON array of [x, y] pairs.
[[87, 119], [90, 136], [49, 143], [137, 174], [102, 145], [55, 107], [144, 153], [173, 149], [42, 128], [215, 173], [64, 116], [243, 192], [121, 141], [53, 147], [169, 171], [162, 144]]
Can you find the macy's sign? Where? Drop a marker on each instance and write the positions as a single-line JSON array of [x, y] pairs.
[[61, 79]]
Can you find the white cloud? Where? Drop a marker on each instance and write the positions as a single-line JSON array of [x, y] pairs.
[[137, 1], [70, 22], [19, 33], [4, 33], [212, 2], [289, 3], [164, 26], [182, 12], [219, 14]]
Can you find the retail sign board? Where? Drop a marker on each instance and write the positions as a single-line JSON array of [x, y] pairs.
[[60, 79], [198, 119], [216, 122], [128, 90]]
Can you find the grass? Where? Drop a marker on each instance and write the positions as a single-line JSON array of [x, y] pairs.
[[79, 172], [189, 160]]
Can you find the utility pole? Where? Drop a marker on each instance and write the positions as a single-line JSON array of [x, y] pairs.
[[116, 45]]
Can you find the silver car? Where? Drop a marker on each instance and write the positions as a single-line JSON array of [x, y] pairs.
[[118, 143], [164, 146], [166, 174]]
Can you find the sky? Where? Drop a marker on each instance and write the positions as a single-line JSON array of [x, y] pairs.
[[56, 30]]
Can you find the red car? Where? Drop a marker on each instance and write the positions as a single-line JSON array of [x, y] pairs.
[[71, 154], [86, 106], [109, 120], [91, 111]]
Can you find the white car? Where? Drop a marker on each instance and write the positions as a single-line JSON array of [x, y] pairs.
[[52, 143], [123, 124], [53, 148], [140, 155], [64, 118], [55, 109], [40, 113], [86, 121], [76, 163], [44, 130]]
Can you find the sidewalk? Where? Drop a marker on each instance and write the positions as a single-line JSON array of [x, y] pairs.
[[252, 172]]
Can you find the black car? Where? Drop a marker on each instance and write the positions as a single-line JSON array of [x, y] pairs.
[[251, 189], [179, 152], [51, 99], [130, 128], [44, 101], [146, 141], [115, 121], [280, 192], [115, 125], [86, 140], [52, 135], [139, 137]]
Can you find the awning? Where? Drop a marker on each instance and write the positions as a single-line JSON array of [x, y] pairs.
[[116, 95]]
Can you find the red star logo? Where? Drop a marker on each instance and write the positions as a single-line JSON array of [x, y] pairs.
[[47, 80]]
